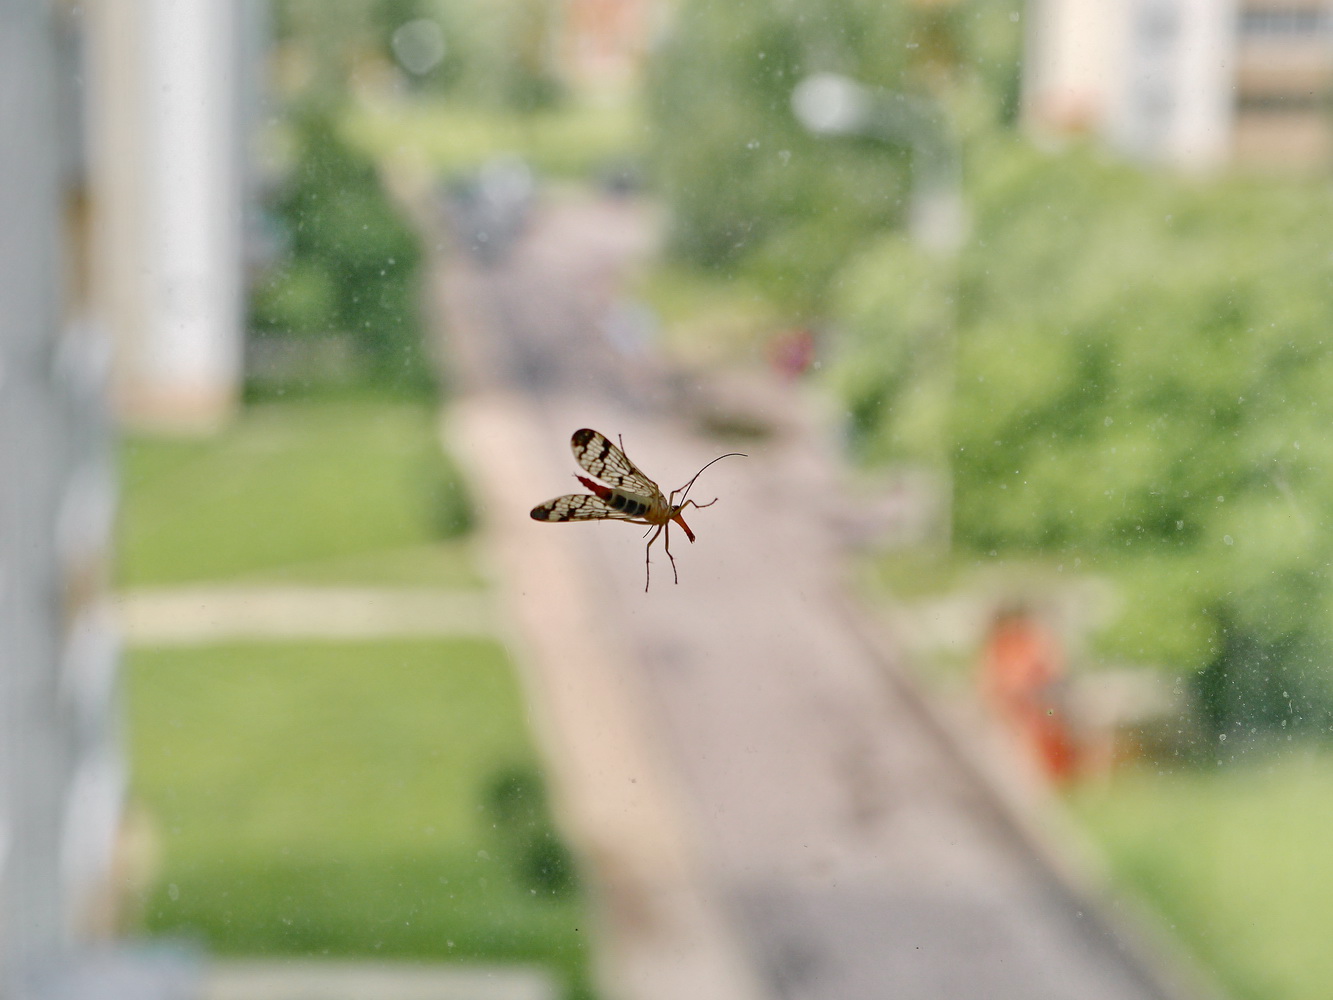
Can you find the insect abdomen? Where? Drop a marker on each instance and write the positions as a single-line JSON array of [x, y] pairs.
[[627, 504]]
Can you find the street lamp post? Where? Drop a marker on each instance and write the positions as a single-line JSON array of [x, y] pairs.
[[830, 104]]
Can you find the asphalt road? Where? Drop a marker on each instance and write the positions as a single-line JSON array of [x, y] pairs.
[[768, 806]]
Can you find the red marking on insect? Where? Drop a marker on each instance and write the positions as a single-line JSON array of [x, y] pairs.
[[629, 496]]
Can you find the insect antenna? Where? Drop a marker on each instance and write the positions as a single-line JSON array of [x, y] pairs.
[[684, 491]]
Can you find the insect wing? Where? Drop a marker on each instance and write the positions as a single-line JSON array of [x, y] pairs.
[[577, 507], [608, 463]]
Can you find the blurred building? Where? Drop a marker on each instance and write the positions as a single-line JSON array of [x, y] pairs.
[[1195, 83], [1283, 84], [63, 840]]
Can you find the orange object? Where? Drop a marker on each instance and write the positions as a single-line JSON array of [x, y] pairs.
[[1022, 673]]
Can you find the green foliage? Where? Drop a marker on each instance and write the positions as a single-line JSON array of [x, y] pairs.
[[347, 492], [516, 802], [1138, 378], [1235, 860], [988, 41], [350, 265], [498, 54], [456, 138], [891, 362], [740, 174], [709, 320], [524, 61], [322, 799], [746, 185]]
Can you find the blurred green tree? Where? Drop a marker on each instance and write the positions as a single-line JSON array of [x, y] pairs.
[[350, 264], [1136, 392], [347, 265], [746, 185], [743, 181]]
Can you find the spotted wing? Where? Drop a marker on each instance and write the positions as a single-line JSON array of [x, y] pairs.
[[612, 466], [578, 507]]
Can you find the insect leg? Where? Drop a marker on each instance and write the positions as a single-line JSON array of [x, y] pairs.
[[666, 542], [647, 560]]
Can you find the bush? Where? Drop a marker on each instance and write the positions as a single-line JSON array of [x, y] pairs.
[[350, 267], [515, 801]]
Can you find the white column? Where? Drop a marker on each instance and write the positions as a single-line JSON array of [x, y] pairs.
[[1175, 92], [1205, 85], [1073, 53], [167, 165]]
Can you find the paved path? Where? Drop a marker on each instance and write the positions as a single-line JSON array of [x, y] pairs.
[[191, 615], [770, 808], [350, 979]]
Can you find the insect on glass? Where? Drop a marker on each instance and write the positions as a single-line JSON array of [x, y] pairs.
[[629, 496]]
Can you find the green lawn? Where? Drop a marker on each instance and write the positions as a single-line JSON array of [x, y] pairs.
[[350, 799], [710, 319], [309, 492], [570, 141], [1238, 861], [334, 798]]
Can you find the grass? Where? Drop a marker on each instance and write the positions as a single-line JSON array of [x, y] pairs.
[[1234, 858], [332, 798], [711, 319], [339, 799], [310, 492], [566, 142], [1237, 860]]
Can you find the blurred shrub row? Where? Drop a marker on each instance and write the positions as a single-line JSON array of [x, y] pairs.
[[341, 302], [1122, 372], [338, 301]]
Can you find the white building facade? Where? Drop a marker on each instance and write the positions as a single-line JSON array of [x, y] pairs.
[[1198, 84]]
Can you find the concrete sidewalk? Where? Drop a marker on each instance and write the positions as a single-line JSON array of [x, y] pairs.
[[347, 979], [193, 615]]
